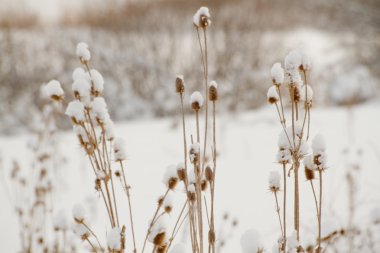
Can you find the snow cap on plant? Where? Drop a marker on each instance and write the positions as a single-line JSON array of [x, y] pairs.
[[81, 230], [97, 81], [191, 192], [83, 53], [201, 18], [277, 73], [272, 95], [81, 88], [179, 84], [170, 178], [119, 150], [306, 89], [54, 90], [80, 73], [157, 235], [251, 243], [194, 152], [283, 156], [99, 109], [213, 91], [109, 130], [293, 61], [75, 110], [79, 213], [318, 145], [308, 162], [168, 202], [196, 100], [274, 181], [114, 239]]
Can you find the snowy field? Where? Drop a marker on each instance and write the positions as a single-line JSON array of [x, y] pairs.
[[247, 144]]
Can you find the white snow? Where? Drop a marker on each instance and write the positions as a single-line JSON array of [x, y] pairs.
[[293, 61], [119, 148], [318, 145], [277, 73], [306, 89], [75, 109], [53, 88], [196, 97], [79, 213], [114, 239], [274, 180], [98, 80], [82, 87], [82, 51], [251, 242], [213, 84], [171, 172], [79, 73], [272, 94], [203, 11], [99, 109]]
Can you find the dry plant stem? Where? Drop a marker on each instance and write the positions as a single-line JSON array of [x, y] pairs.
[[278, 214], [212, 184], [92, 232], [206, 90], [130, 207], [153, 220], [284, 207], [282, 106], [315, 198], [320, 211], [92, 246], [296, 200], [171, 239], [283, 126]]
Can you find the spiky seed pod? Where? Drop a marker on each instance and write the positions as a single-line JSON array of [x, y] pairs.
[[204, 185], [172, 183], [213, 91], [97, 184], [196, 100], [162, 249], [211, 236], [160, 200], [209, 174], [159, 239], [117, 173], [309, 174], [181, 172], [179, 84], [168, 209]]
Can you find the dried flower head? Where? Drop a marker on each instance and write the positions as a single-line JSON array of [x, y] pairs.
[[209, 174], [54, 90], [170, 178], [277, 73], [274, 181], [179, 84], [272, 95], [201, 18], [83, 53], [181, 172], [196, 100], [213, 91]]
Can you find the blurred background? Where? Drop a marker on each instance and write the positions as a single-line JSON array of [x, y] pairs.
[[139, 46]]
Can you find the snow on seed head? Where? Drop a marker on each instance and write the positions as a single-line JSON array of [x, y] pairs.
[[274, 181], [272, 95], [277, 73], [181, 172], [213, 91], [170, 178], [81, 230], [54, 90], [250, 242], [119, 150], [292, 241], [79, 73], [191, 192], [305, 62], [99, 109], [83, 53], [114, 239], [81, 88], [178, 248], [157, 235], [168, 202], [180, 84], [318, 145], [60, 221], [306, 89], [79, 213], [109, 129], [283, 156], [98, 82], [201, 18], [194, 152], [293, 61], [75, 110], [196, 100]]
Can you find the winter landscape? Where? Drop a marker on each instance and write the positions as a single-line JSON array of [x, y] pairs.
[[169, 126]]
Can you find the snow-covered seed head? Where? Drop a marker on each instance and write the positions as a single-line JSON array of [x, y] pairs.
[[194, 152], [191, 193], [318, 145], [306, 94], [213, 91], [181, 172], [293, 61], [170, 178], [114, 239], [292, 241], [204, 184], [201, 18], [119, 150], [178, 248], [284, 156], [157, 235], [82, 231], [54, 90], [180, 84], [83, 53], [168, 202], [97, 82], [79, 213], [274, 181], [308, 162], [250, 242], [277, 73], [209, 174], [81, 88], [196, 100], [272, 95], [99, 109], [75, 110], [305, 62]]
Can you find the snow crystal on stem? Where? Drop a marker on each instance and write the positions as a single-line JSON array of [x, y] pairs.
[[277, 73], [274, 181], [202, 18], [54, 90], [250, 242], [75, 110], [82, 52], [114, 239]]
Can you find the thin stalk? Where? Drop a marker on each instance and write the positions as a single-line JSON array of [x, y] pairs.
[[320, 211], [212, 184], [278, 214], [92, 246], [92, 232], [284, 211], [175, 227], [129, 206]]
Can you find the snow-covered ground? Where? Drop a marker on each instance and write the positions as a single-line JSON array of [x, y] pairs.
[[247, 144]]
